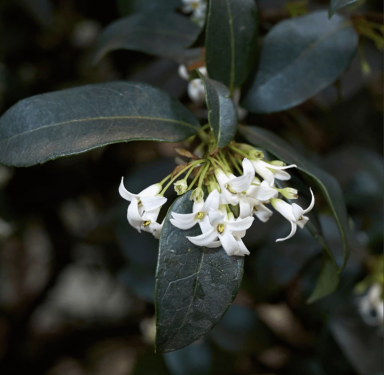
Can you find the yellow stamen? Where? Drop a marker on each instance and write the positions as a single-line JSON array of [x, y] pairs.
[[139, 203], [300, 218], [255, 209], [229, 189], [200, 215], [220, 228], [146, 223]]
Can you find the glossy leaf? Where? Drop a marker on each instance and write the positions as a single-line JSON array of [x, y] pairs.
[[338, 4], [326, 183], [158, 33], [300, 57], [231, 41], [194, 285], [328, 280], [67, 122], [222, 115]]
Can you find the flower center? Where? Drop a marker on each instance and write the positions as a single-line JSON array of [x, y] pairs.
[[255, 209], [200, 215], [139, 203], [220, 228], [229, 189], [146, 223], [300, 218]]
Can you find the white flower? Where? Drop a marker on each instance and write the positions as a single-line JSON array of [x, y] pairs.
[[239, 190], [196, 91], [198, 7], [262, 212], [371, 306], [144, 208], [183, 72], [225, 230], [293, 213], [265, 170], [199, 213]]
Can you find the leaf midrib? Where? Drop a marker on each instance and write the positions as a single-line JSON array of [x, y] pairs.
[[306, 51], [99, 118]]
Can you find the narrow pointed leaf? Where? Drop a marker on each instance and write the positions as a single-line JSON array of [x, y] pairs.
[[231, 41], [194, 285], [299, 58], [222, 115], [326, 183], [67, 122], [338, 4], [158, 33], [327, 282]]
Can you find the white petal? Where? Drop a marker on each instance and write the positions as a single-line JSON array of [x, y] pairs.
[[264, 193], [204, 239], [133, 211], [212, 201], [284, 209], [293, 231], [262, 171], [181, 225], [312, 203], [184, 218], [301, 223], [245, 207], [215, 217], [183, 72], [150, 191], [229, 243], [242, 183], [242, 248], [214, 244], [205, 225], [197, 206], [282, 175], [125, 193], [152, 203], [151, 215], [263, 213], [240, 224], [297, 211], [275, 167]]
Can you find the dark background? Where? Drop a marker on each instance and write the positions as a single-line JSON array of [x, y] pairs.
[[76, 282]]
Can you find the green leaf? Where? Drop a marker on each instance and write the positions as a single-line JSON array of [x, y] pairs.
[[338, 4], [194, 285], [127, 7], [67, 122], [328, 280], [299, 58], [222, 115], [326, 183], [231, 41], [158, 33]]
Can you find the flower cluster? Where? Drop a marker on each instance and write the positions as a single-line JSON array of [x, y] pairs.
[[240, 185]]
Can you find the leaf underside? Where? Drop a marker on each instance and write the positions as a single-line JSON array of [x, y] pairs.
[[300, 57], [67, 122], [194, 285], [159, 33]]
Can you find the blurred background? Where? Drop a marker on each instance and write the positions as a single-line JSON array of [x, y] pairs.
[[77, 282]]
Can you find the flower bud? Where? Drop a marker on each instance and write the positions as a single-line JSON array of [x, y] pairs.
[[197, 195], [256, 154], [289, 193], [181, 187], [278, 163]]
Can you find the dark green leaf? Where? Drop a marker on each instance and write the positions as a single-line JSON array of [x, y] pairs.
[[158, 33], [327, 184], [194, 285], [68, 122], [231, 41], [300, 57], [127, 7], [222, 115], [40, 10], [337, 4], [328, 280]]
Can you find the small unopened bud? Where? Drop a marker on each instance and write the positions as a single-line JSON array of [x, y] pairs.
[[256, 154], [214, 185], [181, 187], [278, 163], [289, 193], [197, 195]]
